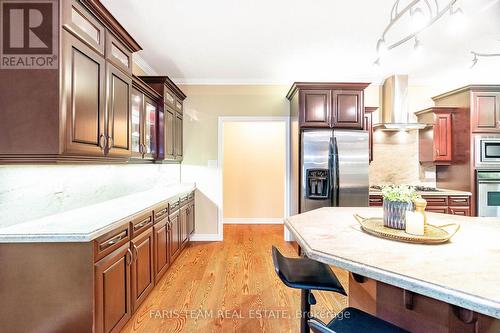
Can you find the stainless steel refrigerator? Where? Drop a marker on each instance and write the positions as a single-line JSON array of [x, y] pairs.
[[333, 169]]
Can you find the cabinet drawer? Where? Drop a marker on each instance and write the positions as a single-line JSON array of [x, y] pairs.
[[141, 223], [376, 200], [111, 241], [459, 201], [463, 211], [118, 54], [173, 206], [191, 196], [436, 201], [82, 24], [437, 209], [160, 213], [184, 199]]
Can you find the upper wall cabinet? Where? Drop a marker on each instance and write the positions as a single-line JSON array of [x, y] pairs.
[[170, 118], [316, 108], [436, 140], [80, 111], [330, 105], [145, 119], [485, 109]]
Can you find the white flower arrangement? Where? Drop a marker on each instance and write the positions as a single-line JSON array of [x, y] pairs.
[[401, 193]]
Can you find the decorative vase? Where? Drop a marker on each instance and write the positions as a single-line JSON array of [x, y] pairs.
[[395, 213]]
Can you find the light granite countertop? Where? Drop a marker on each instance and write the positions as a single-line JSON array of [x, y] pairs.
[[439, 192], [464, 272], [87, 223]]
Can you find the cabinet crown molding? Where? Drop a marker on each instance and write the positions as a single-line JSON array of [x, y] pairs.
[[326, 85], [166, 81], [98, 9]]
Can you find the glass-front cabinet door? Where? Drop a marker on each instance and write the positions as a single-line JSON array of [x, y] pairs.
[[137, 105], [150, 110]]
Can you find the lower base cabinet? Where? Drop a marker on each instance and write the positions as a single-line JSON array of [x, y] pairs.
[[162, 240], [175, 230], [142, 277], [455, 205], [92, 286], [112, 290]]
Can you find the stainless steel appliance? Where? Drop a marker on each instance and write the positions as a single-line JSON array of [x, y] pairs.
[[488, 193], [334, 168], [487, 151]]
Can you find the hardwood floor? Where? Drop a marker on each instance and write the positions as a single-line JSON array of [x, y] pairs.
[[230, 286]]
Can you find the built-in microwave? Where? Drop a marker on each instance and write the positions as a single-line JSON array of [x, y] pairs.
[[487, 151]]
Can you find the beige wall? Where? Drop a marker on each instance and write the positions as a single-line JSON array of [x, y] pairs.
[[254, 169], [203, 106]]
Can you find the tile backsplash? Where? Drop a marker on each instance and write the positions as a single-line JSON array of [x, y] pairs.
[[30, 192], [395, 160]]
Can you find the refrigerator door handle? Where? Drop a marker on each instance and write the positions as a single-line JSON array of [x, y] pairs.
[[331, 163], [336, 184]]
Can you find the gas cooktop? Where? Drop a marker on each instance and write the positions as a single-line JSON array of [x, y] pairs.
[[417, 188]]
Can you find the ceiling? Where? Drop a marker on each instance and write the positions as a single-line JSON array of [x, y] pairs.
[[281, 41]]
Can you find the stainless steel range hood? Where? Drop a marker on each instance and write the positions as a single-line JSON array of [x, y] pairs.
[[395, 109]]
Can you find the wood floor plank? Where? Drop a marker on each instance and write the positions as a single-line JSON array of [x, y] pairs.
[[229, 286]]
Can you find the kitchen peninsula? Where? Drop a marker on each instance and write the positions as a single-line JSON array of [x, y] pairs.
[[423, 288]]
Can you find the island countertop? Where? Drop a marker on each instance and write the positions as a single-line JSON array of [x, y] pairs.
[[464, 272]]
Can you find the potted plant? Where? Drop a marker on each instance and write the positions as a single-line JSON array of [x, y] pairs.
[[397, 200]]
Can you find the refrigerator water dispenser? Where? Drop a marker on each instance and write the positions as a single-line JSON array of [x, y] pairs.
[[318, 183]]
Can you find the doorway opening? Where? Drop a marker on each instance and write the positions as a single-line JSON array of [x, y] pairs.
[[253, 162]]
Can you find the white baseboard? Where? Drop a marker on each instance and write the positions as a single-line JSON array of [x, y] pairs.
[[259, 220], [206, 238]]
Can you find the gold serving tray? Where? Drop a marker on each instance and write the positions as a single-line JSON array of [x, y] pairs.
[[433, 234]]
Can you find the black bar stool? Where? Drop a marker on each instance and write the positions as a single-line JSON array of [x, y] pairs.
[[306, 274], [352, 320]]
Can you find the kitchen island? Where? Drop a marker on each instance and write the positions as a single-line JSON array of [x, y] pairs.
[[452, 287]]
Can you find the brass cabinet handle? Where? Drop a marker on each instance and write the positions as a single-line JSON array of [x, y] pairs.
[[102, 141], [142, 223], [129, 257], [135, 253], [109, 142], [161, 213], [112, 241]]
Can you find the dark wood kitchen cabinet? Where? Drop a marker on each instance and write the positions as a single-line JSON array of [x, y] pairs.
[[118, 92], [113, 306], [183, 217], [179, 142], [101, 282], [171, 140], [347, 109], [453, 204], [435, 141], [142, 276], [162, 241], [316, 106], [175, 228], [191, 215], [368, 126], [145, 119], [79, 111], [330, 105], [485, 110], [168, 142]]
